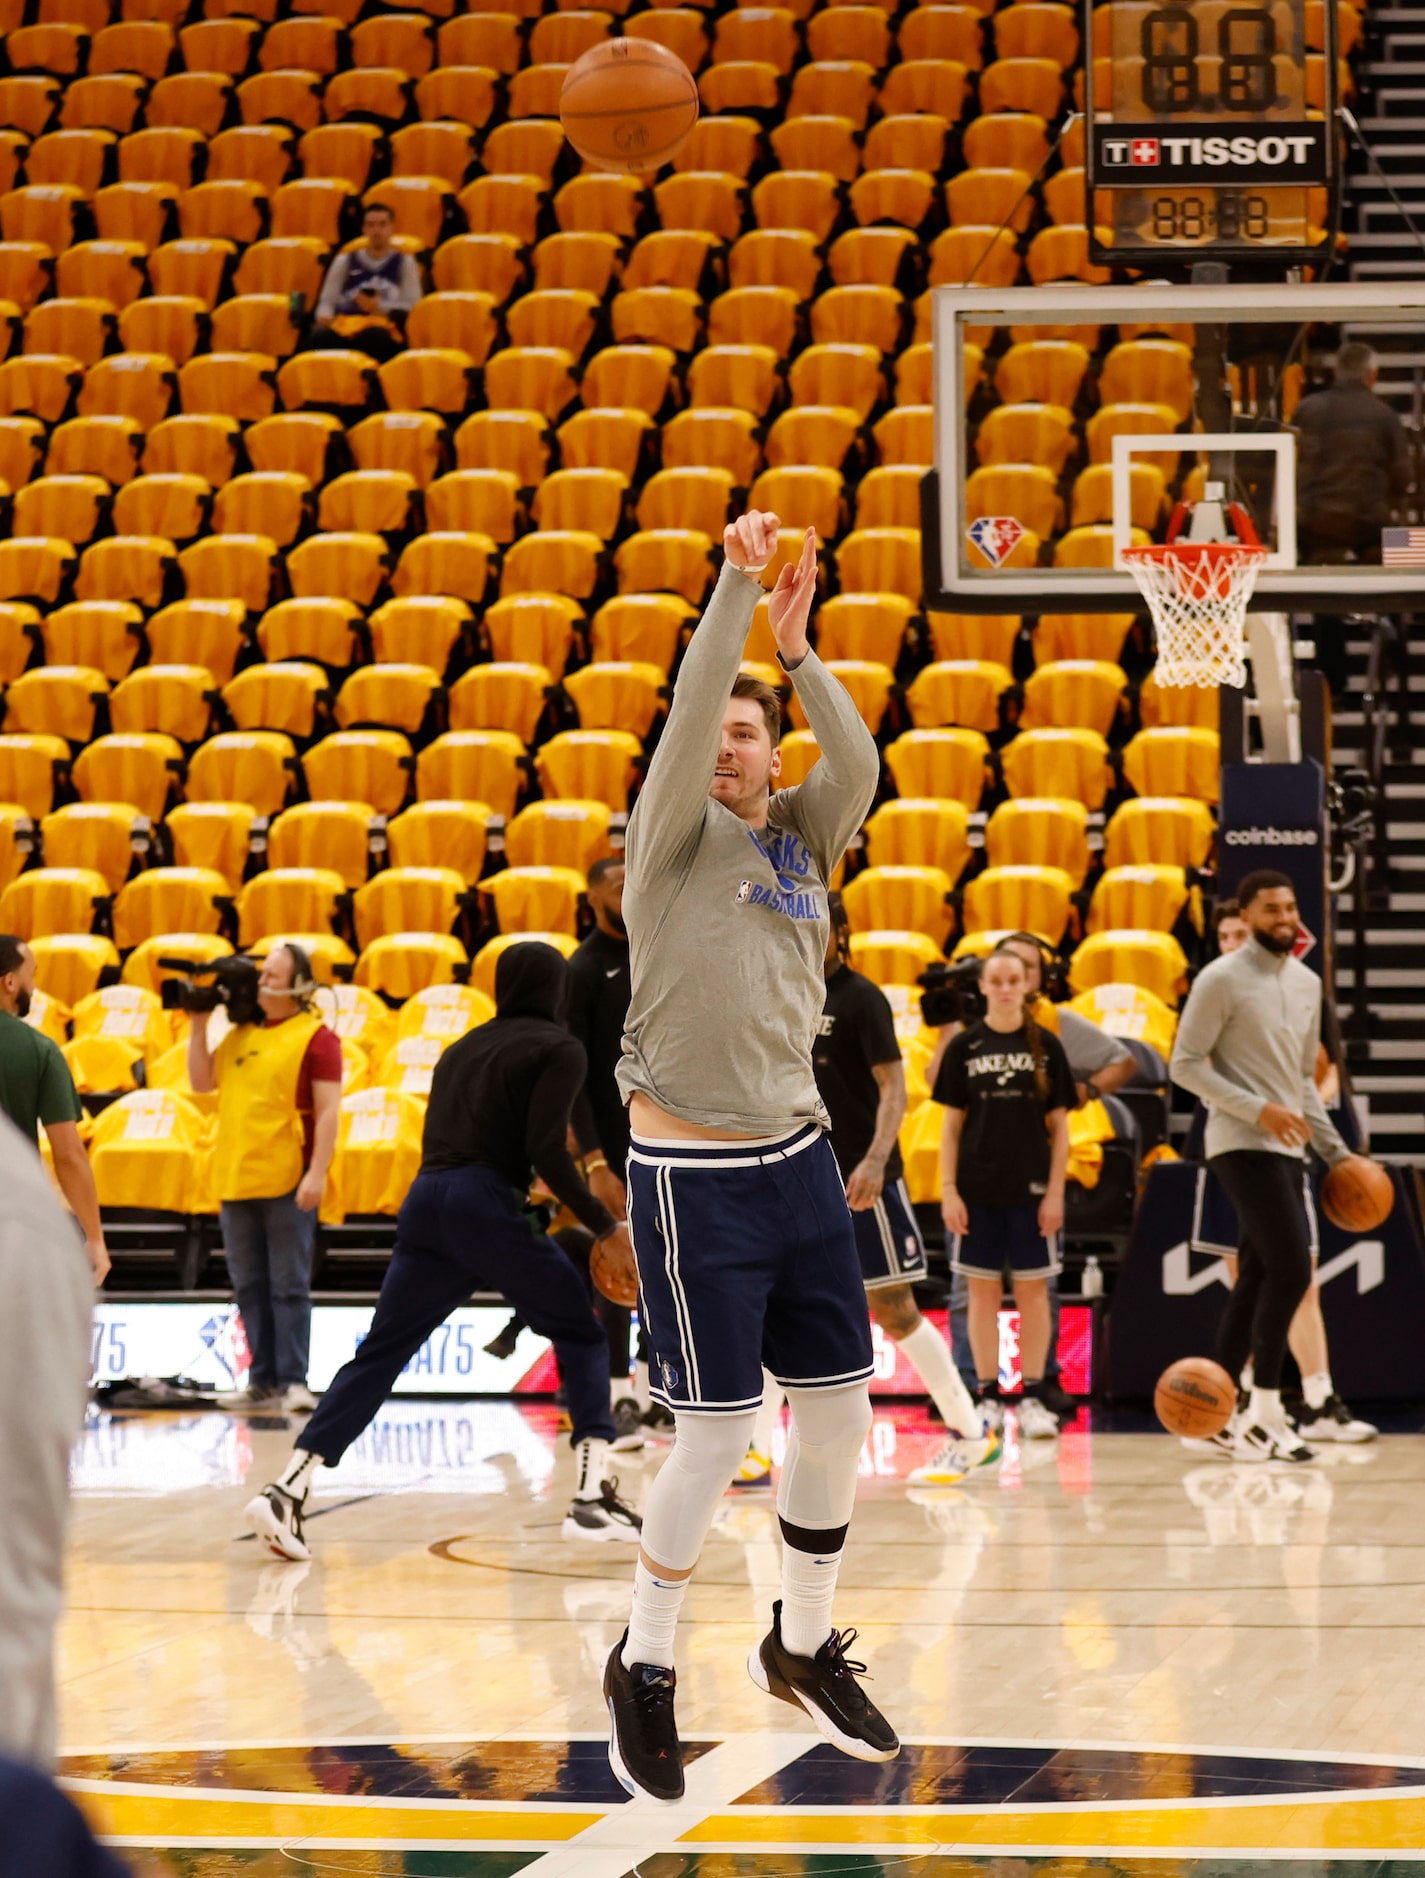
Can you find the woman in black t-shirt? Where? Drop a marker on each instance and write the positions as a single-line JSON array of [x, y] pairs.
[[1007, 1091]]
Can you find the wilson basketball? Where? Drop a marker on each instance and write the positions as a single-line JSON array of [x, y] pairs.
[[1195, 1396], [609, 1278], [628, 104], [1357, 1195]]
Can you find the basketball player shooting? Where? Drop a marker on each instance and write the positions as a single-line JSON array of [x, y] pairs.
[[737, 1214]]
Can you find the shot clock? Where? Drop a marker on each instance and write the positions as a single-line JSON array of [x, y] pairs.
[[1211, 129]]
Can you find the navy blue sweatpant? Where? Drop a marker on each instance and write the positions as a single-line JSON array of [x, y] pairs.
[[463, 1229]]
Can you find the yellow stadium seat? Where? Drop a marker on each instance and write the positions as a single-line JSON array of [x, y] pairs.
[[1053, 762], [52, 900], [535, 899], [227, 567], [619, 695], [22, 443], [142, 967], [42, 385], [176, 700], [173, 508], [203, 446], [1040, 831], [273, 503], [61, 508], [79, 329], [215, 835], [516, 441], [97, 835], [476, 766], [301, 898], [906, 436], [891, 957], [256, 766], [1092, 499], [963, 692], [1123, 419], [443, 147], [568, 834], [985, 636], [35, 568], [56, 700], [1027, 491], [455, 563], [376, 502], [1019, 897], [592, 765], [425, 627], [335, 835], [68, 967], [140, 568], [568, 561], [361, 766], [103, 1065], [1026, 433], [1149, 371], [1182, 706], [501, 696], [428, 378], [1129, 1011], [665, 560], [358, 1016], [869, 684], [1042, 371], [317, 630], [347, 566], [398, 696], [1150, 896], [910, 898], [755, 316], [799, 752], [415, 442], [864, 626], [168, 899], [401, 964], [485, 500], [533, 629], [334, 380], [129, 1014], [261, 152], [882, 560], [150, 1149], [1081, 636], [1153, 961], [1172, 830], [488, 262], [949, 763], [462, 321], [1084, 693], [378, 1151], [647, 628], [1174, 761], [441, 834], [482, 969], [19, 623], [407, 900], [284, 264], [919, 831], [137, 768], [29, 767]]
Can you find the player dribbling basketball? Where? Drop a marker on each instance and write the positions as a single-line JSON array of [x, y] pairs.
[[736, 1210]]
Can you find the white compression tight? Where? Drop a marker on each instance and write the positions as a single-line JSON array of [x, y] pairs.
[[814, 1502]]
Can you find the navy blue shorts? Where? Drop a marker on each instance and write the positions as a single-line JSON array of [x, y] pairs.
[[1214, 1218], [888, 1240], [1006, 1237], [746, 1256]]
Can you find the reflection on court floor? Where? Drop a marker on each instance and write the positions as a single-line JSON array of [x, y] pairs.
[[1105, 1657]]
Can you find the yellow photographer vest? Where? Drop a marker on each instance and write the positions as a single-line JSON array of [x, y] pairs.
[[259, 1147]]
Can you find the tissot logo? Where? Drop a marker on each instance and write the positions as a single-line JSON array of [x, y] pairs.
[[1200, 153], [1272, 837]]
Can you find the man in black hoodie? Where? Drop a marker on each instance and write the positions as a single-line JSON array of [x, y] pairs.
[[499, 1113]]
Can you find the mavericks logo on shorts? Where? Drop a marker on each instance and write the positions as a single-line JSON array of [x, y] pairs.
[[669, 1373]]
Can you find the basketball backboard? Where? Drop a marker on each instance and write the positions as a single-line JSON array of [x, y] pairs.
[[1070, 419]]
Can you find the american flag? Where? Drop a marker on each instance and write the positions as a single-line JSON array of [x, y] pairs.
[[1402, 547]]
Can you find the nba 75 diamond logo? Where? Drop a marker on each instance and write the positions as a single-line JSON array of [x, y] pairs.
[[996, 537]]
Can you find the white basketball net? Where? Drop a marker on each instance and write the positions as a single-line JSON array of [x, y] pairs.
[[1198, 593]]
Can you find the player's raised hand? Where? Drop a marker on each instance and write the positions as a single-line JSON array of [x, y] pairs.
[[751, 541], [789, 606]]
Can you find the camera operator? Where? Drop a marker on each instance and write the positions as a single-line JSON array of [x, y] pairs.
[[278, 1077], [37, 1090]]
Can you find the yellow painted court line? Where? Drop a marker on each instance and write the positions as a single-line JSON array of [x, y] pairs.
[[1342, 1825], [210, 1818]]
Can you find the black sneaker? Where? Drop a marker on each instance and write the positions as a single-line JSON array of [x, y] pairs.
[[502, 1346], [644, 1751], [628, 1426], [1057, 1399], [658, 1420], [603, 1519], [825, 1686]]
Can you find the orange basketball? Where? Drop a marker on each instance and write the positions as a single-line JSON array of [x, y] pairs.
[[1357, 1195], [627, 104], [609, 1278], [1195, 1396]]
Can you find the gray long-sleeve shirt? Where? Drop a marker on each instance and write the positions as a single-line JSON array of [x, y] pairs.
[[1248, 1036], [727, 925]]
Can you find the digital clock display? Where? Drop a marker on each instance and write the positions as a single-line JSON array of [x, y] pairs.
[[1209, 127]]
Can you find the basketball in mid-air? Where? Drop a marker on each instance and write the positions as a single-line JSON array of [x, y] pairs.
[[1357, 1194], [628, 104], [1195, 1396], [610, 1280]]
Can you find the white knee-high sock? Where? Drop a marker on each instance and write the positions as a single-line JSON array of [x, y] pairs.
[[930, 1353], [684, 1496], [770, 1413], [808, 1592], [296, 1477], [654, 1618]]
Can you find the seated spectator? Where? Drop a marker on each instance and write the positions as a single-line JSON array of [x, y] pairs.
[[367, 293]]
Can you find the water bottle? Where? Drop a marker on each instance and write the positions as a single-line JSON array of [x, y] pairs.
[[1091, 1284]]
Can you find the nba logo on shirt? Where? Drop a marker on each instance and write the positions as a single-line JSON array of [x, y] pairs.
[[743, 891]]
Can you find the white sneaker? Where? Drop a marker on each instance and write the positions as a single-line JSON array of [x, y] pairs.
[[956, 1456], [603, 1519], [1223, 1445], [1259, 1443], [1036, 1423], [755, 1471], [991, 1413], [1333, 1421], [276, 1518], [252, 1397], [297, 1399]]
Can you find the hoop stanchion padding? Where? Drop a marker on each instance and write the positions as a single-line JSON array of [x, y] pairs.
[[1198, 593]]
